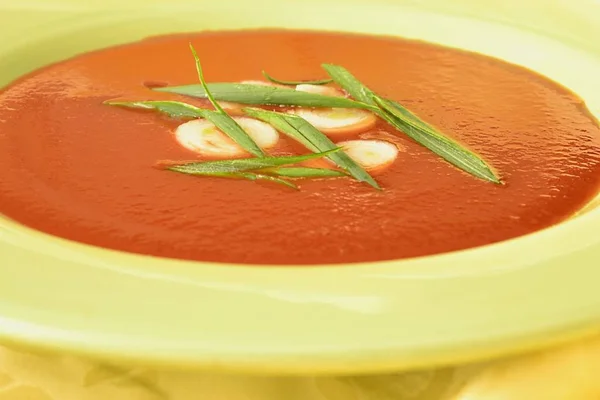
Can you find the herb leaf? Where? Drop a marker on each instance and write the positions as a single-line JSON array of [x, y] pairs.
[[174, 109], [427, 136], [280, 121], [349, 83], [293, 83], [178, 109], [254, 176], [263, 95], [414, 127], [209, 95], [242, 164], [301, 130], [228, 125], [305, 172], [223, 121], [251, 176]]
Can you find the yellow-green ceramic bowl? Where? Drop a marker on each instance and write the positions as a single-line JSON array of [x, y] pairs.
[[521, 294]]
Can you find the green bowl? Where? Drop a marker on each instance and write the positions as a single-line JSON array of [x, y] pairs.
[[517, 295]]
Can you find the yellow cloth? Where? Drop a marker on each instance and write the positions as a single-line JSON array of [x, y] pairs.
[[568, 373]]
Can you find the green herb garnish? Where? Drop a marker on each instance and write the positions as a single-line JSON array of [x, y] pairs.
[[302, 131], [349, 83], [251, 176], [176, 109], [222, 120], [305, 172], [294, 83], [414, 127], [173, 109], [281, 122], [273, 174], [243, 164], [272, 169], [446, 148], [264, 168], [263, 95]]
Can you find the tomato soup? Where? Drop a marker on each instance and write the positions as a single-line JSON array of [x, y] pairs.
[[76, 168]]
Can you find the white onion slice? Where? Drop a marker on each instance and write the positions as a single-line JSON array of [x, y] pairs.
[[337, 121], [370, 154], [203, 137]]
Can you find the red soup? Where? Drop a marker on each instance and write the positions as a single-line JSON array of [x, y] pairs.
[[86, 171]]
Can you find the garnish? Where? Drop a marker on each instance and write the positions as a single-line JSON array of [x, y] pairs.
[[414, 127], [337, 122], [222, 120], [227, 125], [309, 136], [294, 83], [263, 95], [273, 174], [322, 90], [349, 83], [264, 168], [254, 176], [305, 172], [177, 109], [174, 109], [202, 137], [307, 126], [242, 164], [446, 148], [370, 154], [251, 176]]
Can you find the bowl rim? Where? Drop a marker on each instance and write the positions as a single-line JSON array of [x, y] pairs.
[[39, 309]]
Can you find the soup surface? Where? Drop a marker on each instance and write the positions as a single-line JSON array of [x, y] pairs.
[[81, 170]]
